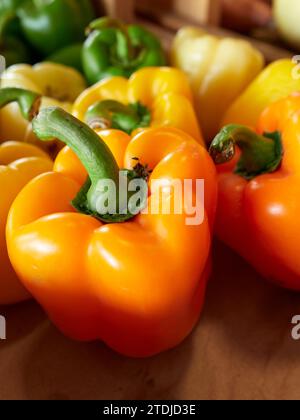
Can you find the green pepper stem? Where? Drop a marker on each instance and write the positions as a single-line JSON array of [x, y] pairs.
[[260, 153], [29, 102], [114, 114], [96, 157], [92, 151], [124, 49], [104, 23]]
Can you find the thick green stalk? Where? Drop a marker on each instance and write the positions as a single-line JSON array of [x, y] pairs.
[[29, 102], [260, 154], [95, 156]]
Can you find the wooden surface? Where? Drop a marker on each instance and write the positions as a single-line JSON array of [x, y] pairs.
[[241, 349], [165, 24], [198, 11], [165, 17], [119, 9]]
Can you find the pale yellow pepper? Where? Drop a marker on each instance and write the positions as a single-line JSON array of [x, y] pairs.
[[276, 82], [286, 17], [219, 70], [59, 85]]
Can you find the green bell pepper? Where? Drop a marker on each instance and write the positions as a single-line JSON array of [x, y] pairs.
[[114, 49], [53, 24], [69, 56], [9, 6], [11, 46]]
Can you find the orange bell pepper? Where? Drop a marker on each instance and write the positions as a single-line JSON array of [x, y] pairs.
[[138, 284], [19, 163], [259, 191], [152, 97]]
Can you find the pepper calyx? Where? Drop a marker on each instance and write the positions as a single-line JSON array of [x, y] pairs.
[[113, 114]]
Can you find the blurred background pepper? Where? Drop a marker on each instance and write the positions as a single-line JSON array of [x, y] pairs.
[[116, 49], [49, 26], [69, 56], [32, 30], [219, 69], [57, 84], [11, 46], [9, 5]]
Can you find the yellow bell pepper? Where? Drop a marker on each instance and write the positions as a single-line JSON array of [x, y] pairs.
[[152, 97], [277, 81], [59, 85], [219, 70], [286, 17]]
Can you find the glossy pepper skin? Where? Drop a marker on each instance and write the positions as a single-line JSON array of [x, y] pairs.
[[259, 217], [19, 163], [97, 281], [219, 70], [164, 92], [58, 84], [51, 25], [275, 82], [115, 49]]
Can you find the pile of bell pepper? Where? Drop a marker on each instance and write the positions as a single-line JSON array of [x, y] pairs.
[[137, 280], [64, 32]]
